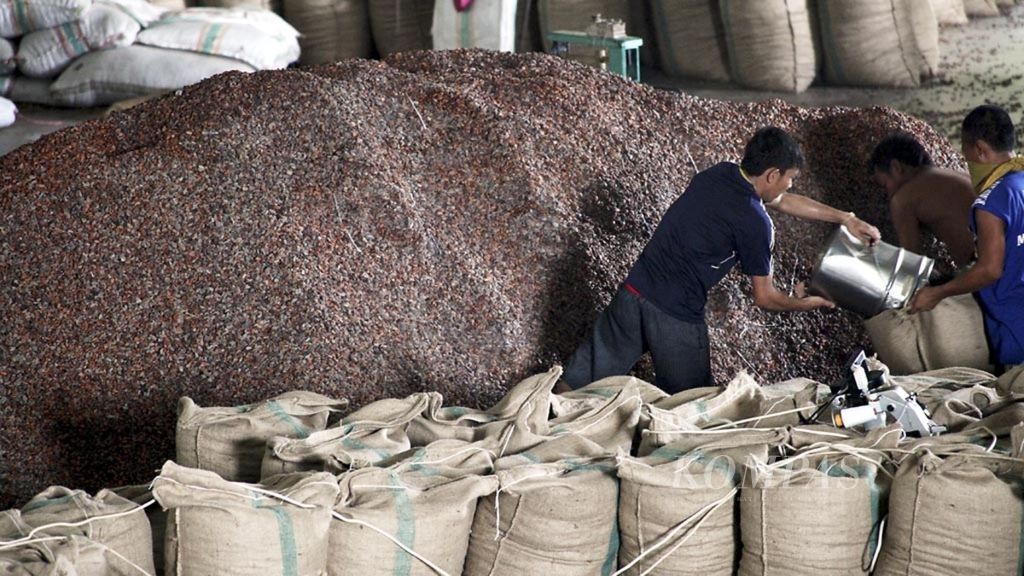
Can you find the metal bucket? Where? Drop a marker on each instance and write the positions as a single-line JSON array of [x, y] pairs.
[[868, 279]]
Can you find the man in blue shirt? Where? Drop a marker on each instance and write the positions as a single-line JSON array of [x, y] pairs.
[[997, 219], [718, 221]]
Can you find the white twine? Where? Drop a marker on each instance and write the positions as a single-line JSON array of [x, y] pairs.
[[497, 500], [491, 456], [508, 438], [878, 545], [970, 407], [758, 418], [830, 450], [28, 539], [701, 514], [408, 550], [119, 555], [417, 110]]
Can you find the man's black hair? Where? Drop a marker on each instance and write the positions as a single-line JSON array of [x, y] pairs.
[[990, 124], [900, 146], [771, 147]]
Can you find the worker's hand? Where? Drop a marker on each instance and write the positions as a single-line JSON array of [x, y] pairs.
[[926, 298], [810, 302], [864, 232]]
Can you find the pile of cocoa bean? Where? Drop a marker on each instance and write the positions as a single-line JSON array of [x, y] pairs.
[[449, 221]]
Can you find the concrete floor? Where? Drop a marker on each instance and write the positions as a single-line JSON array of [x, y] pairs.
[[982, 61]]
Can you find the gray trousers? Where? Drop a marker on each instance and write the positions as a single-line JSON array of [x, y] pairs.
[[630, 326]]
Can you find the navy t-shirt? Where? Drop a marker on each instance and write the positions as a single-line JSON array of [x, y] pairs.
[[716, 222]]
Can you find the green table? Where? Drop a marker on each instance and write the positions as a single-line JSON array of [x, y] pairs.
[[623, 52]]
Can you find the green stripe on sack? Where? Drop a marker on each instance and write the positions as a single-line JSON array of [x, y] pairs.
[[21, 13], [210, 38], [406, 527], [613, 539], [48, 502], [356, 444], [702, 410], [75, 41], [288, 419], [286, 533]]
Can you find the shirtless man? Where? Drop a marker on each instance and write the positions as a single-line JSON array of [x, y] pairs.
[[922, 195]]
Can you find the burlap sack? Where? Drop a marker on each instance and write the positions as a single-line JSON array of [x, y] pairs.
[[719, 440], [551, 518], [37, 558], [1017, 441], [596, 394], [141, 495], [926, 35], [949, 12], [366, 437], [425, 505], [691, 39], [770, 43], [877, 42], [912, 343], [231, 440], [400, 25], [331, 30], [818, 511], [526, 406], [955, 397], [116, 539], [740, 399], [677, 507], [1001, 422], [230, 528], [802, 395], [803, 436], [981, 8], [954, 515], [1011, 382], [611, 424]]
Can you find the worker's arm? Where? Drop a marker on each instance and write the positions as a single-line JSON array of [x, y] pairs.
[[988, 268], [908, 228], [808, 209], [768, 297]]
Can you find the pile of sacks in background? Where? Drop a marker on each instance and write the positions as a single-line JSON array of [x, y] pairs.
[[96, 52], [614, 478], [785, 45]]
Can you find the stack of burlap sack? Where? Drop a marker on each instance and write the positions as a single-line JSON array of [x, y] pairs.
[[96, 52], [951, 334], [614, 478], [785, 45]]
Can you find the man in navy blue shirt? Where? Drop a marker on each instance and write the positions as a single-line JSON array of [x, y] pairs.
[[720, 220]]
